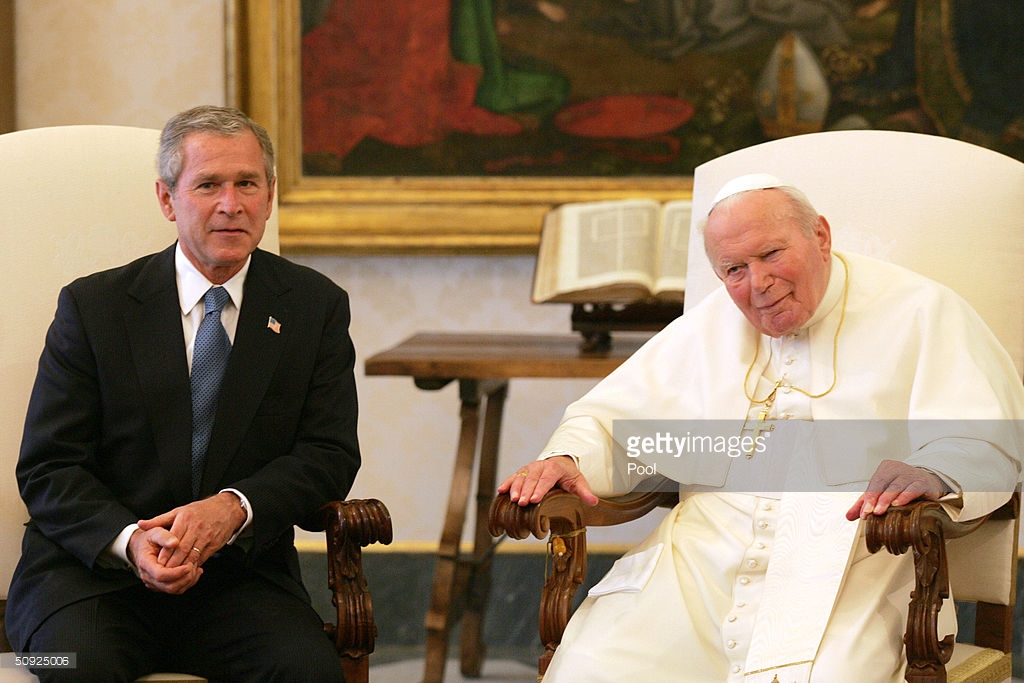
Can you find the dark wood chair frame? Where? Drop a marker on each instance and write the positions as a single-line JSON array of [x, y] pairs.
[[351, 525], [921, 527]]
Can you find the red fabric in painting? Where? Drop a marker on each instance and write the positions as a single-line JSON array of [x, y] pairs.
[[624, 116], [383, 69]]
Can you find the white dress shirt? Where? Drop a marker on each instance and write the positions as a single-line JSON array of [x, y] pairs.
[[192, 287]]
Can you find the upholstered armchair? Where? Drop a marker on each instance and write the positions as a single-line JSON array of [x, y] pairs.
[[74, 200], [947, 209]]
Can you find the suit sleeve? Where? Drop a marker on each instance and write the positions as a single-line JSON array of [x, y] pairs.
[[58, 464]]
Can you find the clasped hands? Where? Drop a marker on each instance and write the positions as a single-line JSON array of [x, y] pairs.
[[894, 483], [169, 550]]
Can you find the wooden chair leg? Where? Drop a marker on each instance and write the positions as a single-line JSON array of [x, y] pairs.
[[562, 514], [567, 552], [357, 670], [563, 519], [5, 645], [350, 525], [922, 527]]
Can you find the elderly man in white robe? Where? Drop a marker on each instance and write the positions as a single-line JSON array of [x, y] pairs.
[[897, 391]]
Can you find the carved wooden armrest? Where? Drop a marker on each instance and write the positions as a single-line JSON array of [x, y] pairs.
[[350, 525], [565, 516], [5, 645], [923, 527]]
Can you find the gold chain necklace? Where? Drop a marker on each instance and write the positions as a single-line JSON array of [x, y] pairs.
[[770, 398], [762, 426]]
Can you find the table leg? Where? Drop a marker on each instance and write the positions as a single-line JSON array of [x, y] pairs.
[[478, 586], [451, 576]]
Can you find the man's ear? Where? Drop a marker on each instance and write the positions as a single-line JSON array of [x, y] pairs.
[[270, 198], [823, 233], [163, 195]]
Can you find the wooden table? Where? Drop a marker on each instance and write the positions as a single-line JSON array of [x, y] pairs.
[[482, 364]]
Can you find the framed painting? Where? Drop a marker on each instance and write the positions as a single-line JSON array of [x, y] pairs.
[[442, 126], [389, 212], [6, 66]]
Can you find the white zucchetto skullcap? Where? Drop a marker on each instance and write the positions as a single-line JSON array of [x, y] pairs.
[[743, 183]]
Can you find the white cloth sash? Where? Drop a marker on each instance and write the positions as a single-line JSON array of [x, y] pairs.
[[813, 545]]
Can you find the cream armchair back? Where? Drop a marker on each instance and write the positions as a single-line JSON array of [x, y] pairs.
[[947, 209], [73, 200]]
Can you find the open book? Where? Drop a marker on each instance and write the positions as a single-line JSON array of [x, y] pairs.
[[615, 252]]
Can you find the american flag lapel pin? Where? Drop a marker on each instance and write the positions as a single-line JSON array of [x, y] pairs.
[[273, 325]]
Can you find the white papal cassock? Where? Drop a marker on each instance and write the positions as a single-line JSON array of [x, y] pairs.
[[756, 574]]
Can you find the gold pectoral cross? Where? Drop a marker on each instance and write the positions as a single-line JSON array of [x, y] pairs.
[[761, 426]]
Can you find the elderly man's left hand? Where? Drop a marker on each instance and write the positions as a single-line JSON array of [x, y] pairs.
[[202, 528], [895, 483]]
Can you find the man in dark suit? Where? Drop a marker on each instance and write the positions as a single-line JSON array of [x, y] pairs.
[[145, 551]]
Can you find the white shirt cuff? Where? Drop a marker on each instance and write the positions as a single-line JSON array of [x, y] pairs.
[[248, 514], [555, 454], [115, 555]]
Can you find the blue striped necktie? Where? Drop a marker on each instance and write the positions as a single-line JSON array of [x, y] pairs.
[[209, 358]]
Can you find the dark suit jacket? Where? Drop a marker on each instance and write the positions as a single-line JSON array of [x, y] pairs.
[[108, 430]]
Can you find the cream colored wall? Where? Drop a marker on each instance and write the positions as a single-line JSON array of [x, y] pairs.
[[409, 435], [120, 62], [127, 62]]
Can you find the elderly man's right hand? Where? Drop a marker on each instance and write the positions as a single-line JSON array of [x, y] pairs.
[[529, 484]]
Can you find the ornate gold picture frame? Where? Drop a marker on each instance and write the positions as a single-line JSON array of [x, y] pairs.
[[381, 176], [334, 214], [6, 66]]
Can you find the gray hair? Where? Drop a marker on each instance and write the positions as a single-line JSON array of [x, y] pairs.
[[226, 121]]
